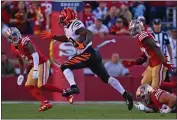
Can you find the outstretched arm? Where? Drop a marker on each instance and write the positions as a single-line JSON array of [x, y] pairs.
[[168, 99], [49, 35], [138, 61], [61, 38]]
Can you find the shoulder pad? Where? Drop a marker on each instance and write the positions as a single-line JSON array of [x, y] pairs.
[[25, 40]]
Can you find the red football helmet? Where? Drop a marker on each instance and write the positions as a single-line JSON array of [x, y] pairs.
[[66, 16]]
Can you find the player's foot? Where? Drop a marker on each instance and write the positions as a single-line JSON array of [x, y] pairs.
[[70, 91], [45, 106], [129, 100]]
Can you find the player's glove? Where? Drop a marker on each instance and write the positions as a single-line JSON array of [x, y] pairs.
[[78, 45], [170, 67], [142, 107], [128, 64], [165, 109], [20, 79], [35, 74], [47, 34], [139, 106]]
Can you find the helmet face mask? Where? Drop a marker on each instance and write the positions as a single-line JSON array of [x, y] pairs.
[[13, 35], [143, 93], [135, 27], [62, 21]]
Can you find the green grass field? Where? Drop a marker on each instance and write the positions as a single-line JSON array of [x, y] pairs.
[[76, 111]]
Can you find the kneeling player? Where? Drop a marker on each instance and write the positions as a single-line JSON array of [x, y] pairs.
[[38, 75], [155, 100]]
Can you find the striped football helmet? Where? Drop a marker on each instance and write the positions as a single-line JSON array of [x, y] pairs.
[[66, 16]]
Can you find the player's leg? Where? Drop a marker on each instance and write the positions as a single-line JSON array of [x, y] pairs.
[[98, 68], [77, 62], [147, 76], [158, 75], [33, 89], [43, 78]]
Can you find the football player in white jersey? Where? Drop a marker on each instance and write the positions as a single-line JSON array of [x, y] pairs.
[[81, 38]]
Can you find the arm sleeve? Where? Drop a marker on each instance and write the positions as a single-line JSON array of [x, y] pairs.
[[35, 60]]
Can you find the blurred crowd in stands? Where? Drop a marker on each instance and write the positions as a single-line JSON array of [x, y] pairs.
[[30, 17], [102, 18]]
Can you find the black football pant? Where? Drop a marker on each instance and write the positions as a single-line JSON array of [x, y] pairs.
[[89, 58]]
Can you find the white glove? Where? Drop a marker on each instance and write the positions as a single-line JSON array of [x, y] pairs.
[[35, 74], [20, 79], [139, 106], [165, 109]]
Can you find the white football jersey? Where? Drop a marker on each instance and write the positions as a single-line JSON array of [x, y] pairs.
[[70, 32]]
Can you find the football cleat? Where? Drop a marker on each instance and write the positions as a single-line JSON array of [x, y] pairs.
[[129, 100], [70, 91], [45, 106]]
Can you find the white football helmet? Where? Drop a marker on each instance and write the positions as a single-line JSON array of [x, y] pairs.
[[143, 93], [13, 35], [136, 27]]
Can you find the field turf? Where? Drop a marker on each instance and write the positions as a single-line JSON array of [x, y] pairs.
[[76, 111]]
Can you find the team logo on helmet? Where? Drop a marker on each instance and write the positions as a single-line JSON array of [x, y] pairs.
[[13, 35], [66, 16]]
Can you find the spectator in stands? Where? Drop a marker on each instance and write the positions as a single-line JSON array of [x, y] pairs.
[[143, 20], [173, 39], [119, 28], [115, 67], [88, 17], [110, 18], [38, 18], [125, 14], [46, 7], [139, 9], [101, 10], [19, 19], [98, 28], [6, 67]]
